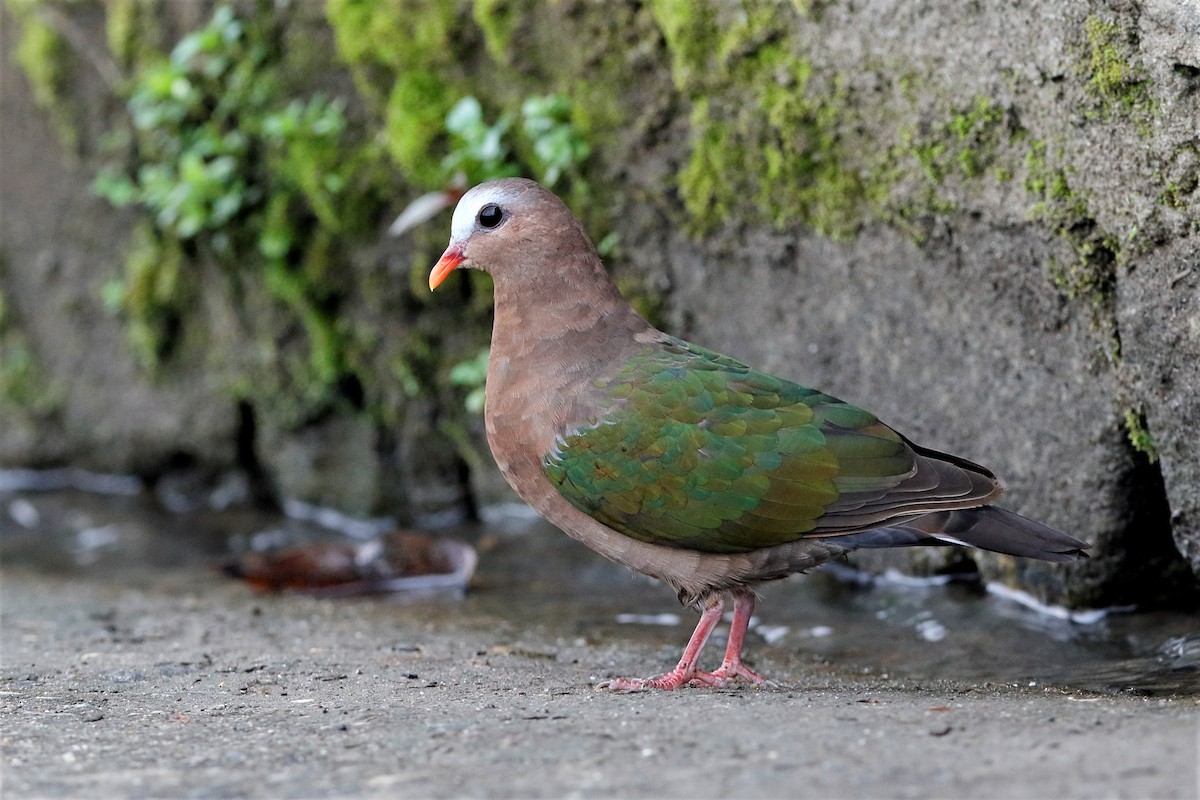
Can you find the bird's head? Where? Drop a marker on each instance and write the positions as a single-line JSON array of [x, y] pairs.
[[508, 226]]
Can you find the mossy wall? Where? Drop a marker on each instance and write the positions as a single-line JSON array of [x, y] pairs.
[[945, 213]]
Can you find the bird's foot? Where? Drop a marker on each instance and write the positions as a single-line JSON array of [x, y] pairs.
[[731, 671], [726, 675], [669, 681]]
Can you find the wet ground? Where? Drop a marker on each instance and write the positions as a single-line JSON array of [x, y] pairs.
[[131, 668]]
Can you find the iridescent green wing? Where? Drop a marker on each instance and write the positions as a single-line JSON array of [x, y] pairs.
[[697, 450]]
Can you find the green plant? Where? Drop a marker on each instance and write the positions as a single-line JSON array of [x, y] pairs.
[[482, 152], [231, 166], [192, 144], [479, 151], [472, 375], [558, 148]]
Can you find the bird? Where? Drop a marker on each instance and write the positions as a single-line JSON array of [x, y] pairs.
[[679, 462]]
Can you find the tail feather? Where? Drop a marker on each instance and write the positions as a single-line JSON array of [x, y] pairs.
[[986, 527]]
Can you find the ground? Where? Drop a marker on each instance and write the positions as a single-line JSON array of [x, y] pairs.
[[179, 682]]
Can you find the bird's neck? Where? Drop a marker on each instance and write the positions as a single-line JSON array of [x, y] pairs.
[[569, 319], [550, 344]]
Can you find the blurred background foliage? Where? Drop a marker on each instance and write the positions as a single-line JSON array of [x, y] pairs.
[[246, 157], [258, 150]]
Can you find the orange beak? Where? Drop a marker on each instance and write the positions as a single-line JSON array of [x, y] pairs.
[[445, 265]]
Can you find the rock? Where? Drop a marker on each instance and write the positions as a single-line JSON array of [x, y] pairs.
[[1005, 196], [59, 245], [1159, 316]]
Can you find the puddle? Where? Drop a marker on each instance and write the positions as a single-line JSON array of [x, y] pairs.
[[533, 576]]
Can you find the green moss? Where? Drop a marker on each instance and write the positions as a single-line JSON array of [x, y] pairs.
[[404, 54], [121, 28], [692, 36], [416, 108], [810, 8], [925, 173], [1139, 435], [47, 62], [153, 294], [132, 28], [976, 130], [1055, 198], [702, 181], [498, 19], [1092, 275], [1111, 78], [1179, 177], [41, 52], [775, 140], [765, 144], [22, 382], [1174, 193], [963, 145]]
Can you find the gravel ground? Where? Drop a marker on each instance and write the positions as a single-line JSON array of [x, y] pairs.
[[178, 682]]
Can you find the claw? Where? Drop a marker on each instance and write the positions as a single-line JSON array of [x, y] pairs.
[[728, 674]]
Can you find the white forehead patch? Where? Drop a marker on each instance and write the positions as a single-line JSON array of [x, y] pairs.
[[463, 223]]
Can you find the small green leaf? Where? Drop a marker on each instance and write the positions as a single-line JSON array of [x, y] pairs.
[[465, 116]]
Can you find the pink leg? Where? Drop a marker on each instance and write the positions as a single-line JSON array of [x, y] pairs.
[[685, 671], [732, 668]]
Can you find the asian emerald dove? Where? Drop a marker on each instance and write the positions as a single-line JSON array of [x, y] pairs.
[[679, 462]]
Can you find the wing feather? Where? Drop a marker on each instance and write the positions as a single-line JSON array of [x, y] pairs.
[[692, 449]]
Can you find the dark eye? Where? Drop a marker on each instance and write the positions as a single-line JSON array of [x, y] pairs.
[[490, 215]]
